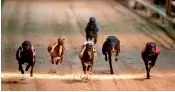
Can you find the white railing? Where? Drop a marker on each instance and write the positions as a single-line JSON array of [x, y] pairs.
[[153, 8]]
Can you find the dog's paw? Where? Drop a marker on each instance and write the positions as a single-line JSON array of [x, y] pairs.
[[106, 59], [52, 71], [31, 75], [52, 62], [19, 69], [22, 71]]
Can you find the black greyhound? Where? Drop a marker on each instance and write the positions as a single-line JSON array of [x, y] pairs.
[[150, 53], [110, 46], [92, 30], [26, 54]]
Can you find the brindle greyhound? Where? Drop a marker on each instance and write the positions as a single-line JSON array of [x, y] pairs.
[[150, 53], [26, 54], [56, 50], [111, 46], [87, 56]]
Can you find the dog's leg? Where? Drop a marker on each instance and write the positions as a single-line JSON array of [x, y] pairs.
[[52, 59], [82, 52], [21, 68], [32, 65], [92, 64], [147, 70], [117, 57], [27, 67], [95, 39], [61, 60], [117, 53], [148, 75], [62, 56], [151, 64], [59, 54], [91, 68], [110, 64], [31, 72], [84, 67], [57, 61], [106, 58], [86, 37]]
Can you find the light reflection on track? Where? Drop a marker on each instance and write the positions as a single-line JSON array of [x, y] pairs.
[[80, 76]]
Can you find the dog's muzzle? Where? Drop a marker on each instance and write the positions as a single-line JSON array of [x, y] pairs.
[[57, 58]]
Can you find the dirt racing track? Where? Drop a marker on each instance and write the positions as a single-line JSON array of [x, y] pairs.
[[43, 21]]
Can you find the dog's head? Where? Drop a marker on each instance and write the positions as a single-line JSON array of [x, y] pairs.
[[61, 40], [92, 21], [113, 47], [26, 45], [89, 48], [151, 48]]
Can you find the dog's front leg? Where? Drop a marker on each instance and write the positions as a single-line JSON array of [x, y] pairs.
[[32, 65], [52, 58], [21, 68], [91, 68], [117, 56], [84, 67], [27, 67], [106, 58]]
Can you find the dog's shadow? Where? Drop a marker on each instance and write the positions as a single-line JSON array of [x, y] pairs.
[[73, 81], [144, 78], [79, 79], [140, 79], [82, 80], [11, 82], [102, 71]]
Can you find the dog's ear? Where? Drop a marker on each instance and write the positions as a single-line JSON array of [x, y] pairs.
[[59, 38], [64, 39]]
